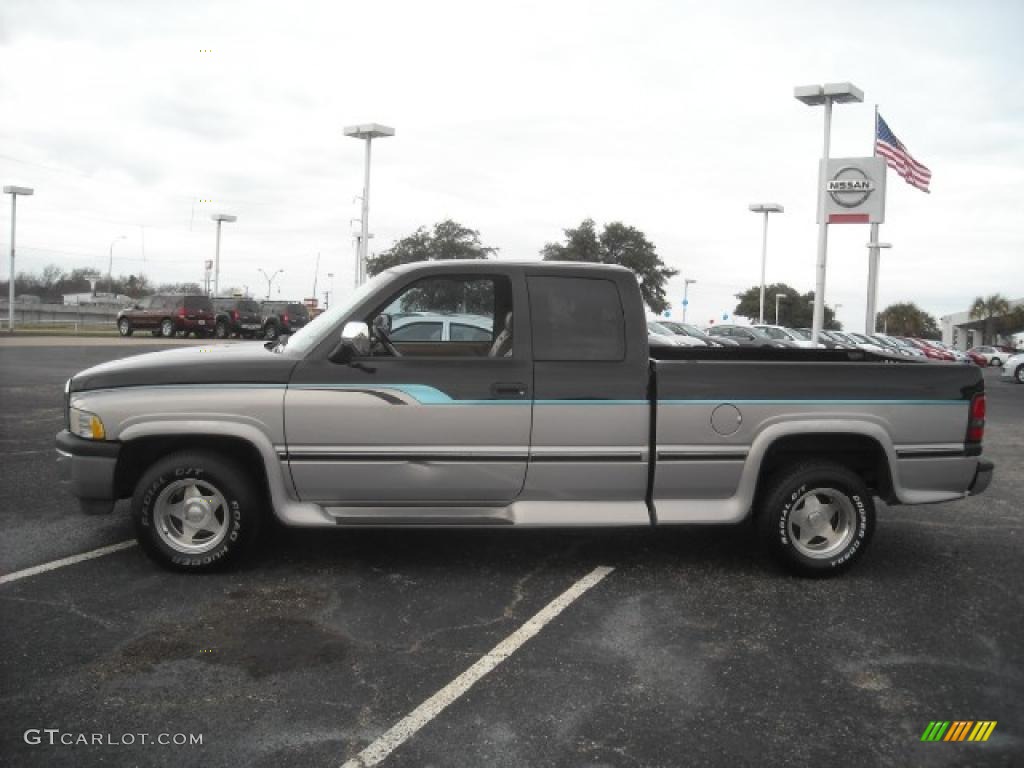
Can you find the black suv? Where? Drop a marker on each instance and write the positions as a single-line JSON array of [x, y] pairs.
[[237, 316], [283, 317]]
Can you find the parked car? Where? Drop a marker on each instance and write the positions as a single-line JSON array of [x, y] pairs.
[[168, 315], [824, 338], [283, 317], [655, 328], [992, 355], [424, 326], [237, 316], [581, 423], [685, 329], [782, 333], [747, 336], [1013, 368], [977, 359], [906, 345], [936, 352], [866, 343]]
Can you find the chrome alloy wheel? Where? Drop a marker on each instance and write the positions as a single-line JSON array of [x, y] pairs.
[[822, 522], [191, 516]]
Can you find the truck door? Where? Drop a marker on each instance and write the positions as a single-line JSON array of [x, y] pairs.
[[424, 419]]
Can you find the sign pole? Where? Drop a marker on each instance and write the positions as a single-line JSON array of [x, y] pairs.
[[819, 285]]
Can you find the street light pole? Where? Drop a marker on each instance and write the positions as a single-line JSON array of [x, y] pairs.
[[219, 218], [777, 297], [269, 279], [764, 208], [817, 95], [110, 264], [13, 192], [686, 295], [870, 315], [368, 132]]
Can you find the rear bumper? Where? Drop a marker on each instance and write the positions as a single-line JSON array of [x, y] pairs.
[[88, 467], [982, 477]]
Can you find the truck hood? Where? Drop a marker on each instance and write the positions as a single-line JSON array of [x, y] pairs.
[[245, 363]]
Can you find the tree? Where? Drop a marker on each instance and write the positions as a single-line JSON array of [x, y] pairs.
[[907, 319], [617, 244], [180, 288], [448, 240], [795, 311], [988, 309]]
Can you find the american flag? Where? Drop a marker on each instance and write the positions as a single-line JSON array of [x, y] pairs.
[[898, 158]]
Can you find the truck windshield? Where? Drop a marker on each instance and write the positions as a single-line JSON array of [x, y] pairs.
[[312, 334]]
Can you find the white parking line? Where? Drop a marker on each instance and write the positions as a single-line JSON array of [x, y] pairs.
[[432, 707], [55, 564]]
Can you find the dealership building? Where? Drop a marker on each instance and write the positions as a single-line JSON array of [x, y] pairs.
[[962, 332]]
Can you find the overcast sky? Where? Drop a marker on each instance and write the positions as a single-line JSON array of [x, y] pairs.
[[518, 119]]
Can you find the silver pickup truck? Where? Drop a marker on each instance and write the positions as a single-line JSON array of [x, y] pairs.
[[549, 408]]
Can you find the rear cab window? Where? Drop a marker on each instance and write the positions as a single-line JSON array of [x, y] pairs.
[[576, 318]]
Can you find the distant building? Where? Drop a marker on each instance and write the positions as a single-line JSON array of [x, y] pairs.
[[962, 332], [94, 299]]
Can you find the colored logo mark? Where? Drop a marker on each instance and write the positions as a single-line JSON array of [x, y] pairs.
[[959, 730]]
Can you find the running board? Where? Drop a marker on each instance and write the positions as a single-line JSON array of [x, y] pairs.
[[420, 516]]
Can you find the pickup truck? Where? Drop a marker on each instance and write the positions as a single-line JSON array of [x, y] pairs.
[[562, 415]]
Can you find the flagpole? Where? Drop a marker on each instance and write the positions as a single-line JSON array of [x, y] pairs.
[[870, 319]]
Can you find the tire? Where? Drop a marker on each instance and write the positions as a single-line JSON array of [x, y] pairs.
[[820, 546], [167, 328], [124, 327], [221, 330], [271, 331], [996, 362], [1019, 374], [227, 509]]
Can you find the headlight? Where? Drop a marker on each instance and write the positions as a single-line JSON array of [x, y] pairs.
[[87, 425]]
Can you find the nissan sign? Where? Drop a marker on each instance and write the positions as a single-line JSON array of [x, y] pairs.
[[854, 190]]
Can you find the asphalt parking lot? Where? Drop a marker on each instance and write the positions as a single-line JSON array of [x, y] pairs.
[[694, 650]]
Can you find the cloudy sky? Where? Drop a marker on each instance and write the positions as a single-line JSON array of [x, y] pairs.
[[518, 119]]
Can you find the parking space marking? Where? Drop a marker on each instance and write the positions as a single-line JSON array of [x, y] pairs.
[[432, 707], [64, 561]]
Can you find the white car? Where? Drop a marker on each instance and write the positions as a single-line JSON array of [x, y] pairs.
[[1013, 369], [788, 334], [993, 355], [425, 326], [676, 340]]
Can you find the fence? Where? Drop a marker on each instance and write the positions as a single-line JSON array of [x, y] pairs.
[[72, 318]]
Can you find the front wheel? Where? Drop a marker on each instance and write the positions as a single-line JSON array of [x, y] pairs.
[[167, 328], [195, 512], [817, 518], [124, 327]]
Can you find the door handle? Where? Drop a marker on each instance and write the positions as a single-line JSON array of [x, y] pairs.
[[508, 389]]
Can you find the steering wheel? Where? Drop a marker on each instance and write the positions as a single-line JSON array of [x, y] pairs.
[[386, 342]]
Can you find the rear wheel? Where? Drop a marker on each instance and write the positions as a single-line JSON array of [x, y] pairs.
[[995, 361], [817, 518], [221, 330], [271, 331], [196, 512], [124, 327], [167, 328], [1019, 374]]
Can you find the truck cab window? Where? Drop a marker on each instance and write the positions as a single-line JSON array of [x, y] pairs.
[[457, 316], [577, 318]]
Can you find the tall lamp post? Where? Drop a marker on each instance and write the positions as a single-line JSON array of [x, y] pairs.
[[686, 294], [871, 318], [13, 192], [110, 264], [367, 132], [777, 297], [220, 218], [765, 208], [269, 278], [813, 96]]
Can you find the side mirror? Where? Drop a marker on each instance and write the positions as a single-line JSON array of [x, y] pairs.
[[355, 342]]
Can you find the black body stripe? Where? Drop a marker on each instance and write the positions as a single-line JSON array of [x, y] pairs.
[[934, 453], [683, 456]]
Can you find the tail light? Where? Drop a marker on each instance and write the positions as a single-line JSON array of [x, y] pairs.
[[976, 424], [234, 315], [284, 318], [181, 311]]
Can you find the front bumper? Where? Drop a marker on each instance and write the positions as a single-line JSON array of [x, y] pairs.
[[982, 477], [88, 466]]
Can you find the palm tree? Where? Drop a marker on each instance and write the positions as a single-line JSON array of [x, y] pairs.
[[987, 309]]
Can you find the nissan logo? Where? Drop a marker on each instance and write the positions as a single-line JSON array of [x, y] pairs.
[[850, 187]]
